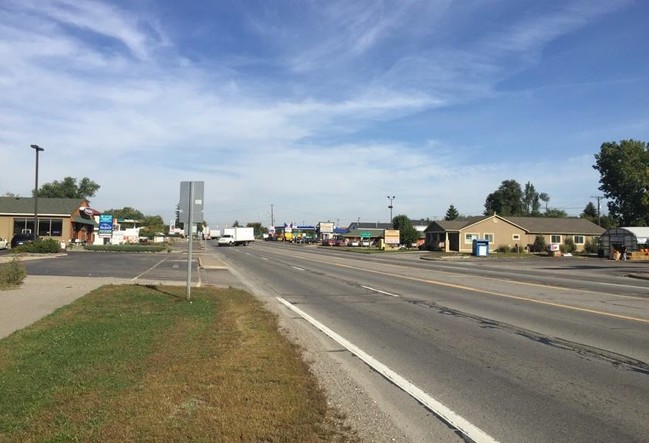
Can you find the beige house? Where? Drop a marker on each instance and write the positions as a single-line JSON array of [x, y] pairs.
[[64, 219], [458, 235]]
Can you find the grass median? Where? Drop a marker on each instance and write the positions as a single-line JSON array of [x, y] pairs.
[[137, 363]]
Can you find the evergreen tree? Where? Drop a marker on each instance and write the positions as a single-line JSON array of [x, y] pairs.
[[451, 213]]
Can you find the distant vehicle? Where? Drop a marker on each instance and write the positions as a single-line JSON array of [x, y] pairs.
[[365, 243], [226, 240], [21, 239], [4, 244], [237, 236], [354, 243]]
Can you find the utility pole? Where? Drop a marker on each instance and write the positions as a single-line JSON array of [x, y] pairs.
[[599, 218], [272, 216], [35, 233]]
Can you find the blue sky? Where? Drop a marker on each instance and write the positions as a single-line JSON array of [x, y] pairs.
[[320, 108]]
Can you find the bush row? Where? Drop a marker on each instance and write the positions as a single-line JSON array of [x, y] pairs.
[[40, 246], [128, 248]]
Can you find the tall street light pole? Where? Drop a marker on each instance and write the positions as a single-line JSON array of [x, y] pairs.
[[35, 234], [391, 206]]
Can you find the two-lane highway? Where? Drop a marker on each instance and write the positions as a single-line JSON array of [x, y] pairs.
[[510, 351]]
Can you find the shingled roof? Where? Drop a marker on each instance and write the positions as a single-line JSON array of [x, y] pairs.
[[549, 225], [532, 225], [46, 206]]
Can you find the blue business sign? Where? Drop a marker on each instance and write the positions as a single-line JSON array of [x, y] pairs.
[[105, 225]]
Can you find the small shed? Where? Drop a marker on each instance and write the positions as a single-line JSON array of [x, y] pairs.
[[633, 238]]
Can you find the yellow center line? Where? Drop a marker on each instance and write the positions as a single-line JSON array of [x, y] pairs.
[[499, 294]]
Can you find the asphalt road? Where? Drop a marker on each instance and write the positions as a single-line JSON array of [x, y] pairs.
[[517, 350], [166, 268]]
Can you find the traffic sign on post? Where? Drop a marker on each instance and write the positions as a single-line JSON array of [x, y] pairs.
[[366, 234]]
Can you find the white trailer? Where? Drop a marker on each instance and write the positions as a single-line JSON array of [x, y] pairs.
[[237, 236]]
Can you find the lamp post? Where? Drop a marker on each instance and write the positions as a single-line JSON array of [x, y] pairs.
[[35, 234], [391, 206]]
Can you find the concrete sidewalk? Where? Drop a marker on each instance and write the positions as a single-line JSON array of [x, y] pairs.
[[41, 295]]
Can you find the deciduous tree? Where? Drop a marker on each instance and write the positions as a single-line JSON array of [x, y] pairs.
[[127, 213], [506, 200], [152, 225], [531, 203], [68, 188], [407, 233], [624, 180]]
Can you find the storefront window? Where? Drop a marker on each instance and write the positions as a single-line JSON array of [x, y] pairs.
[[47, 227]]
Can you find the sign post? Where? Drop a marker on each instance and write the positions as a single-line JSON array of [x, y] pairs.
[[191, 207]]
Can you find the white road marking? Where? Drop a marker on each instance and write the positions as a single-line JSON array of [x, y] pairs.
[[380, 292], [461, 424], [264, 258], [150, 269], [299, 269]]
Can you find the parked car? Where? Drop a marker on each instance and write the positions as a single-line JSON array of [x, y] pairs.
[[21, 239], [365, 243], [354, 243], [4, 244]]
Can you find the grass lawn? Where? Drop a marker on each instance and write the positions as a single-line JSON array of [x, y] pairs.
[[137, 363]]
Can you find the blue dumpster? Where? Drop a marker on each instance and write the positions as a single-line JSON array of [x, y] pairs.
[[481, 248]]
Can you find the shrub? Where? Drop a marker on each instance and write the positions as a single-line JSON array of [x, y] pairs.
[[503, 249], [40, 246], [592, 246], [12, 273], [568, 246], [539, 244]]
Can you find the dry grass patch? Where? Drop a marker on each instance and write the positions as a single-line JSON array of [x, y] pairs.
[[133, 363]]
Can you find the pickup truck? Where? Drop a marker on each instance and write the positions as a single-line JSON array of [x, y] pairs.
[[226, 240]]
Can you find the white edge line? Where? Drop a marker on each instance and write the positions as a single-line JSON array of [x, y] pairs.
[[380, 292], [299, 269], [449, 416]]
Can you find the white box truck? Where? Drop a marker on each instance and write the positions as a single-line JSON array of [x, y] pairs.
[[237, 236]]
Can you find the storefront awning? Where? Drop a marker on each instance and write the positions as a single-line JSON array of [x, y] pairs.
[[84, 221]]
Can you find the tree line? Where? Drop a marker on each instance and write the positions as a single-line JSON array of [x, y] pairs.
[[624, 181]]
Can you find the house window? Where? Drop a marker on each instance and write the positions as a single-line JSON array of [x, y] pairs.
[[468, 238], [556, 239], [489, 237], [579, 239], [516, 237]]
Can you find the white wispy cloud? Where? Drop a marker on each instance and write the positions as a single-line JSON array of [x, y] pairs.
[[99, 82]]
